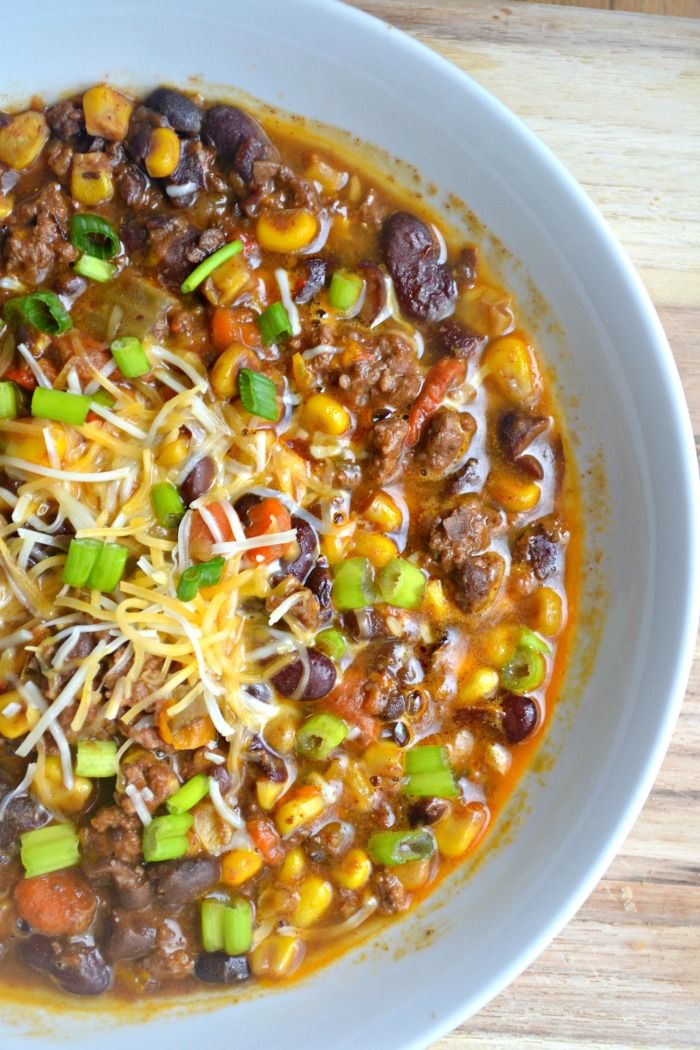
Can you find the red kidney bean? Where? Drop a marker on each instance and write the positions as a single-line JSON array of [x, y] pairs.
[[307, 542], [181, 881], [424, 287], [322, 676], [129, 936], [199, 480], [238, 139], [219, 968], [517, 430], [182, 113], [75, 967], [519, 717]]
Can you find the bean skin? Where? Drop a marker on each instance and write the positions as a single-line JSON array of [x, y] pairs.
[[322, 676], [199, 480], [424, 287], [307, 542], [182, 114]]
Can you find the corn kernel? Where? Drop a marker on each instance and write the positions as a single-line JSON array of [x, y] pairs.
[[509, 364], [227, 281], [315, 896], [334, 548], [352, 870], [292, 867], [288, 230], [358, 786], [210, 831], [302, 807], [163, 153], [16, 718], [281, 732], [49, 788], [379, 548], [91, 179], [480, 685], [303, 375], [240, 865], [499, 643], [22, 139], [331, 179], [513, 493], [7, 203], [415, 874], [324, 413], [33, 446], [485, 310], [384, 513], [546, 612], [384, 759], [277, 956], [459, 831], [174, 452], [107, 112], [224, 373], [268, 792]]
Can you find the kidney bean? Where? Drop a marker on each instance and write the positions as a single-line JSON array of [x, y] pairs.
[[77, 968], [129, 936], [519, 717], [307, 542], [182, 113], [517, 430], [270, 765], [319, 583], [322, 675], [219, 968], [244, 504], [312, 279], [199, 480], [180, 881], [424, 287], [238, 139]]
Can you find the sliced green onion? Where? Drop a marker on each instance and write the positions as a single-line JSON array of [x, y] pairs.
[[9, 401], [400, 847], [401, 583], [93, 235], [165, 838], [274, 323], [49, 849], [130, 357], [320, 735], [258, 394], [103, 397], [189, 794], [211, 915], [238, 927], [60, 405], [352, 584], [524, 671], [532, 642], [109, 567], [42, 310], [96, 758], [344, 290], [429, 773], [95, 269], [332, 642], [211, 263], [167, 503], [82, 555], [206, 574]]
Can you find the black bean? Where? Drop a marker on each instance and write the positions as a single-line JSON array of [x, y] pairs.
[[244, 504], [270, 765], [77, 968], [398, 732], [238, 139], [426, 811], [322, 675], [181, 881], [307, 542], [319, 583], [312, 279], [23, 813], [519, 717], [129, 936], [219, 968], [182, 113], [199, 480], [424, 287]]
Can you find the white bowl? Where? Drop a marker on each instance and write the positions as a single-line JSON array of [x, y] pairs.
[[623, 397]]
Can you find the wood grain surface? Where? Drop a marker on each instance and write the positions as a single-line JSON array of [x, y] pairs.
[[617, 97]]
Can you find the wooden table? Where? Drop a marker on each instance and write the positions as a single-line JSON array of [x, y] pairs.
[[617, 97]]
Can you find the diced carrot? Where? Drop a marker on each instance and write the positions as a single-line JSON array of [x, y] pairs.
[[233, 325], [57, 905], [201, 538], [270, 515], [22, 375], [437, 382], [264, 835]]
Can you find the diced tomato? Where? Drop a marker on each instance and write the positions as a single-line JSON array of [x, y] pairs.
[[268, 516], [264, 835], [435, 385], [59, 904], [347, 698], [22, 375], [233, 325], [201, 538]]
